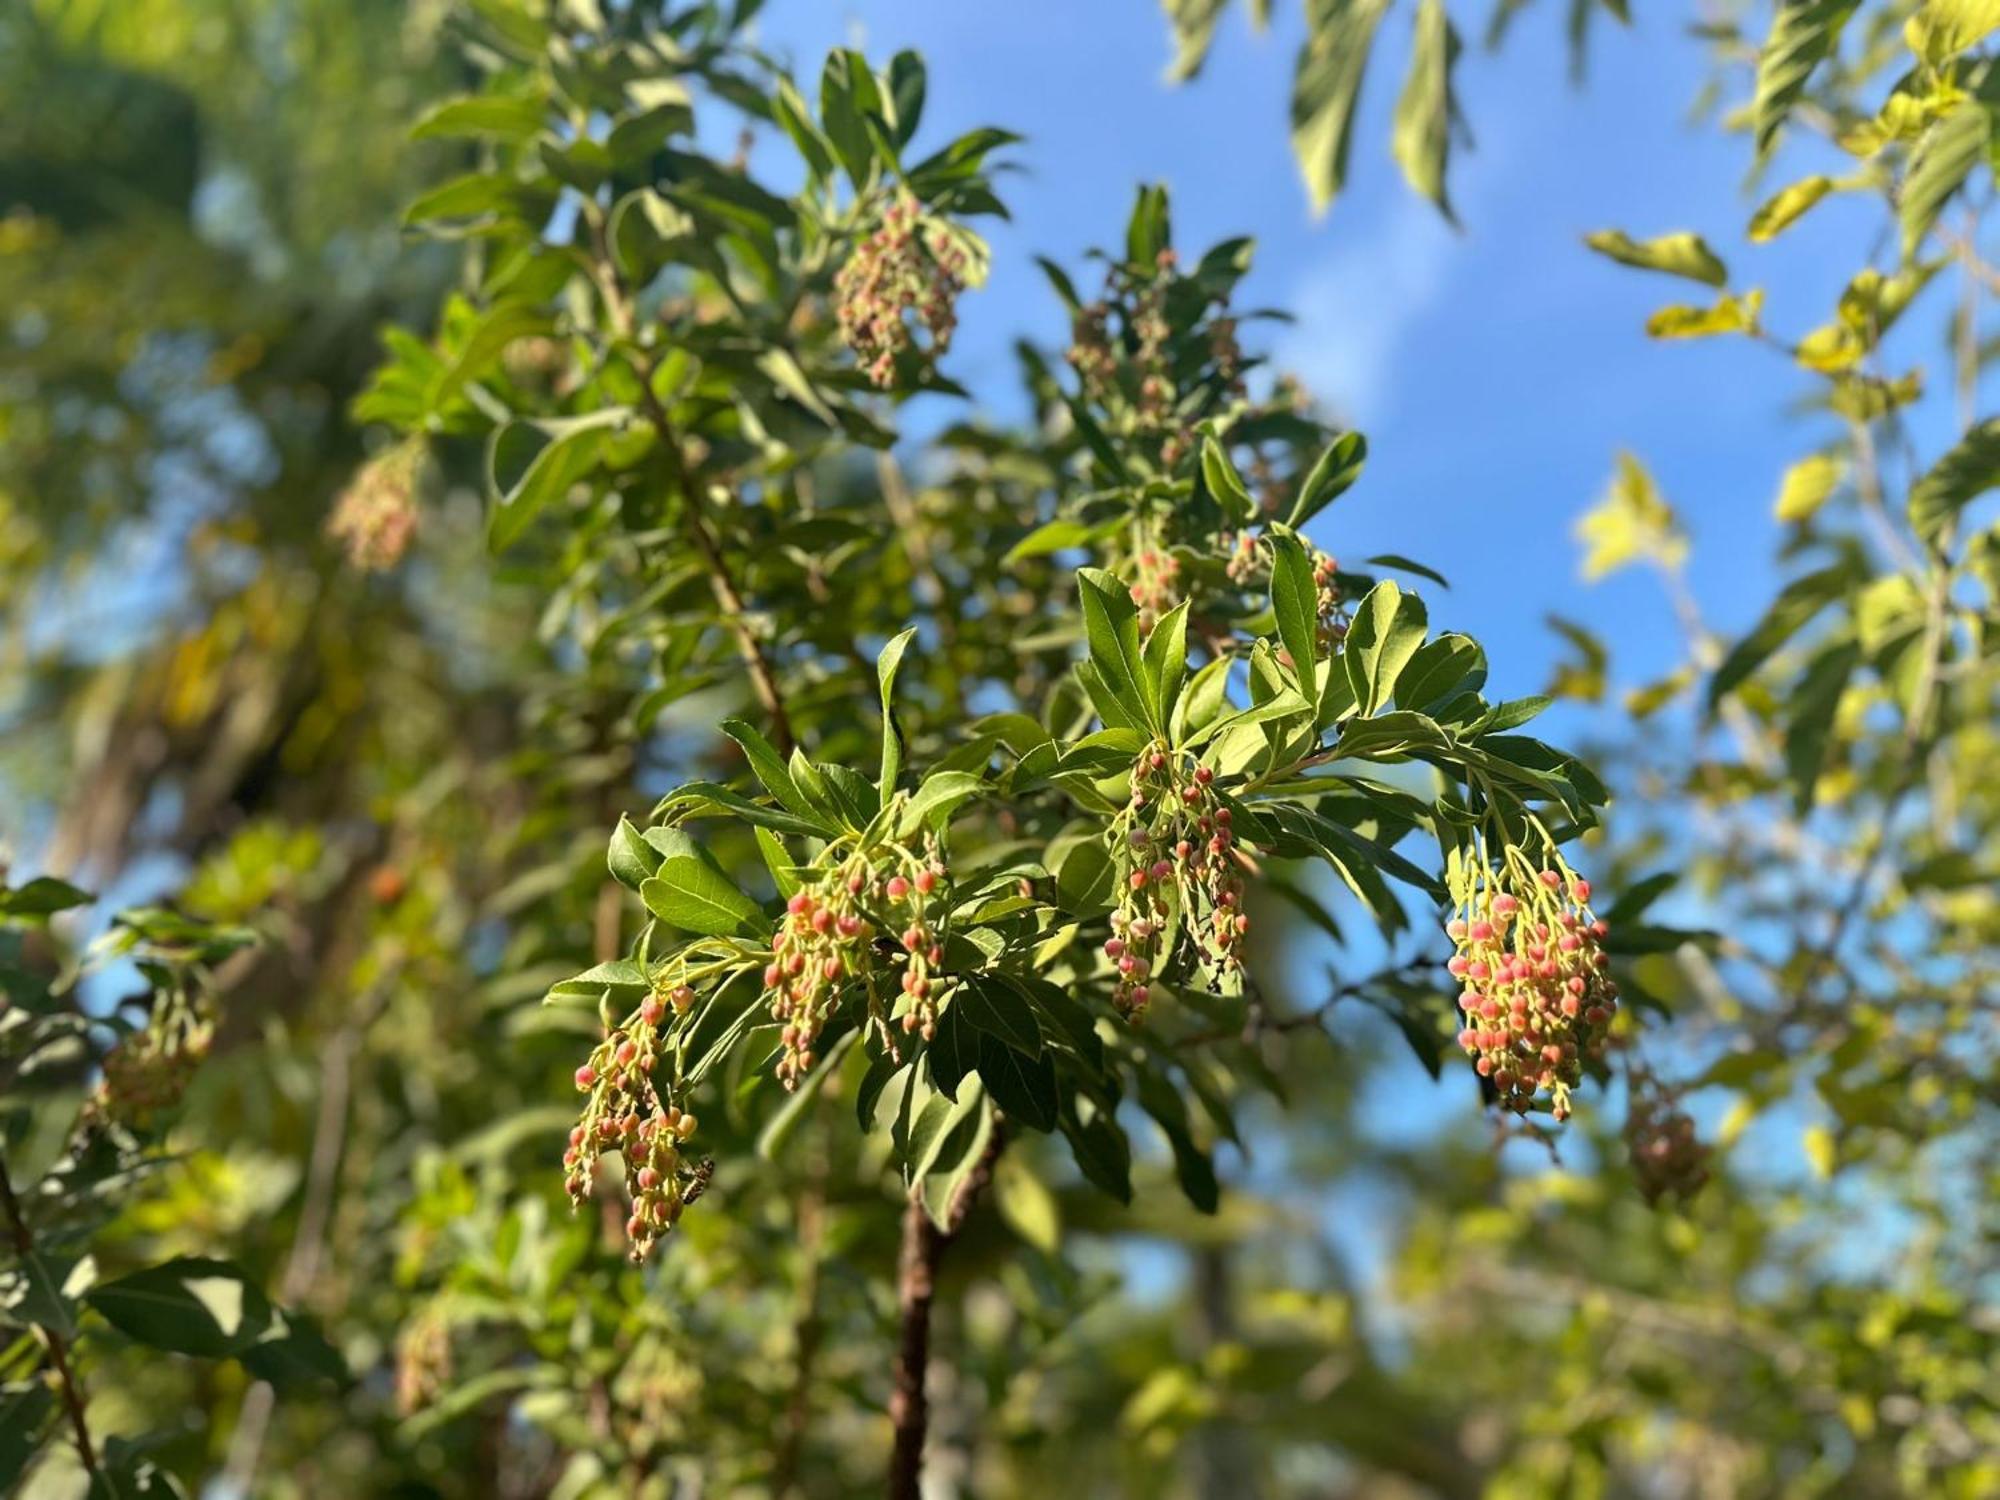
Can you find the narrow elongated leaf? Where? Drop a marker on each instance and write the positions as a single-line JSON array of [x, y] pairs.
[[1789, 613], [1427, 112], [1944, 157], [1386, 633], [1676, 254], [1165, 661], [1111, 629], [771, 771], [531, 464], [892, 732], [1295, 603], [1809, 716], [1803, 34], [187, 1306], [1340, 35], [1969, 470], [1330, 477]]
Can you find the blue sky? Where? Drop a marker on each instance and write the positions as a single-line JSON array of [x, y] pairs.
[[1497, 371]]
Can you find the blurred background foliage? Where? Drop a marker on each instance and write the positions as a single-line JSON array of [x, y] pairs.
[[402, 782]]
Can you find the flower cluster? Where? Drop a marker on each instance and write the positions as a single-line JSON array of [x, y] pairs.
[[1158, 588], [1666, 1156], [1249, 560], [1179, 874], [423, 1361], [1538, 997], [629, 1113], [827, 942], [1141, 370], [905, 276], [375, 517], [145, 1076]]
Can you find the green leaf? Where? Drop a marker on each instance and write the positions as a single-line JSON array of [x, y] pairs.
[[1192, 1165], [693, 896], [1330, 477], [1111, 629], [1676, 254], [207, 1308], [847, 94], [1295, 603], [705, 798], [1386, 633], [293, 1354], [44, 896], [621, 975], [1803, 34], [941, 794], [1783, 208], [1102, 1153], [1809, 716], [1971, 468], [24, 1408], [1224, 484], [1427, 112], [771, 772], [505, 118], [630, 859], [907, 87], [1022, 1085], [1397, 560], [996, 1008], [1340, 34], [1165, 661], [1440, 670], [1789, 613], [530, 464], [1943, 158], [892, 732], [1059, 535], [1150, 229]]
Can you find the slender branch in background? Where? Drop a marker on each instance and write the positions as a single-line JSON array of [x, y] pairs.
[[1257, 1023], [253, 1422], [924, 1244], [722, 583], [67, 1382]]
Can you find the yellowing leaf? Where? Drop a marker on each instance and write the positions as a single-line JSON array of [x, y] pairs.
[[1676, 254], [1807, 484], [1830, 349], [1820, 1151], [1644, 702], [1780, 210], [1942, 29], [1632, 523], [1730, 315], [1871, 302]]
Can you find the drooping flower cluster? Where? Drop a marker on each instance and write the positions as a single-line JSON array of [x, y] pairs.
[[827, 943], [375, 517], [1179, 878], [1667, 1157], [905, 276], [423, 1361], [146, 1075], [1538, 998], [631, 1114], [1158, 588]]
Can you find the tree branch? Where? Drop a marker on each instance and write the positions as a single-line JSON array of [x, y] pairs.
[[924, 1244], [66, 1378]]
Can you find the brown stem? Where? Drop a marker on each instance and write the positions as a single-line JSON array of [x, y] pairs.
[[924, 1244], [66, 1377]]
